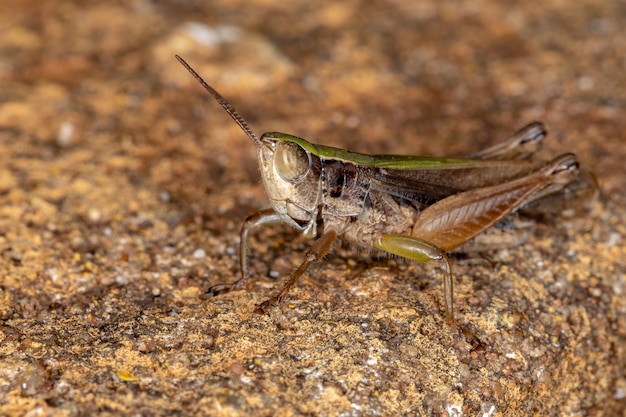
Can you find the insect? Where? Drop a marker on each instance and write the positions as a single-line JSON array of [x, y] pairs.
[[420, 208]]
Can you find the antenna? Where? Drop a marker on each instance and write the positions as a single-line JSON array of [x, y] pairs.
[[225, 104]]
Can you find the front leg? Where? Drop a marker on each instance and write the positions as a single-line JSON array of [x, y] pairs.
[[263, 218], [421, 251], [318, 250]]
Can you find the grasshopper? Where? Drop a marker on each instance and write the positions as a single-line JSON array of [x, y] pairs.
[[416, 207]]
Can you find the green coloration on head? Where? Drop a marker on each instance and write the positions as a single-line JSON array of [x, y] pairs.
[[376, 161]]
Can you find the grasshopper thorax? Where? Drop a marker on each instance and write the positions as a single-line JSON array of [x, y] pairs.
[[291, 175]]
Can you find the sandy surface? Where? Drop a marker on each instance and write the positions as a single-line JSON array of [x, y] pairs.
[[123, 187]]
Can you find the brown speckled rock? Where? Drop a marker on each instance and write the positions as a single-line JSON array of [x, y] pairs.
[[123, 187]]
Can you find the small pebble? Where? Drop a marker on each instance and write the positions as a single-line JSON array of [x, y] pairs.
[[164, 197], [66, 134], [199, 253], [212, 35], [274, 274], [94, 215]]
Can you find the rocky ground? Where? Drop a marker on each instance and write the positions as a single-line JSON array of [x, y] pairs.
[[123, 187]]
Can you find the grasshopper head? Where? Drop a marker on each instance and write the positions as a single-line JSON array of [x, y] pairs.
[[289, 166], [291, 175]]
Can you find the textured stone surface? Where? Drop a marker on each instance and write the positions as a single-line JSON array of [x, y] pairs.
[[123, 188]]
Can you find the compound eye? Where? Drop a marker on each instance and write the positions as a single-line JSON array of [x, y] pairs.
[[291, 161]]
